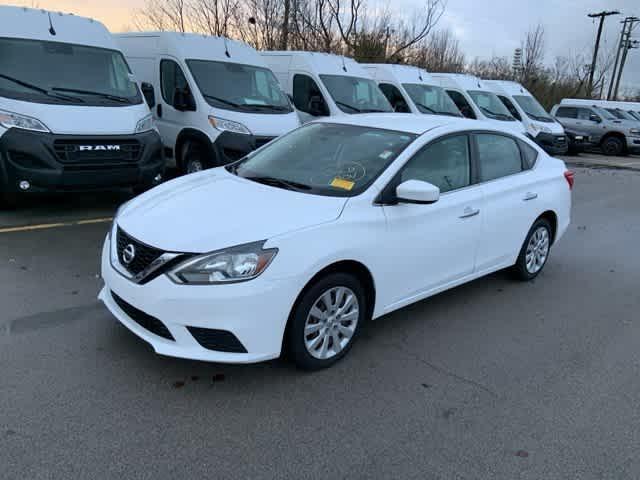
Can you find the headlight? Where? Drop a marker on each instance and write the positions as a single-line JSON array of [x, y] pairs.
[[227, 125], [145, 124], [14, 120], [635, 131], [236, 264], [535, 129]]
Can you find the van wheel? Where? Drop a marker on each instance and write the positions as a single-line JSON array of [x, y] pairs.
[[194, 158], [326, 321], [613, 146]]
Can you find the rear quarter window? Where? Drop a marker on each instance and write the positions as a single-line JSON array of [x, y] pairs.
[[529, 155]]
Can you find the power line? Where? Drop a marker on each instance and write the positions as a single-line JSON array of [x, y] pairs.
[[602, 15]]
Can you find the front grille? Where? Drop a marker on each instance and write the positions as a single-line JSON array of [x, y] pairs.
[[97, 151], [260, 141], [143, 256], [145, 320], [218, 340]]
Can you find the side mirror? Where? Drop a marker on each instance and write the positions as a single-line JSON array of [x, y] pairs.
[[149, 94], [183, 100], [317, 107], [595, 118], [417, 191]]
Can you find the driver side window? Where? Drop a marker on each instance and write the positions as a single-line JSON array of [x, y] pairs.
[[445, 163], [395, 98], [307, 96], [171, 78], [461, 103]]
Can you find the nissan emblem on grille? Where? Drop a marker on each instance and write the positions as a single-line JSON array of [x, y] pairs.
[[128, 254]]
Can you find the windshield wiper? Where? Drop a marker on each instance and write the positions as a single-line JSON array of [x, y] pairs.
[[355, 109], [500, 116], [428, 109], [374, 110], [279, 182], [37, 88], [539, 117], [222, 100], [115, 98]]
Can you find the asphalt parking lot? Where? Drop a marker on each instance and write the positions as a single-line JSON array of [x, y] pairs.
[[492, 380]]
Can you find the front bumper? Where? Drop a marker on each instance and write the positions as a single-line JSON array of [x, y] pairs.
[[51, 162], [633, 144], [255, 312], [553, 144]]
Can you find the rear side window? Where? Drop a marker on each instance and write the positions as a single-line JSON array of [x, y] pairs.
[[510, 106], [498, 156], [304, 90], [171, 78], [461, 103], [395, 98], [567, 112], [444, 163], [529, 156]]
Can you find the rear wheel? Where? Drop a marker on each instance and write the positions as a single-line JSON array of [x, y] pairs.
[[326, 321], [535, 251], [613, 146]]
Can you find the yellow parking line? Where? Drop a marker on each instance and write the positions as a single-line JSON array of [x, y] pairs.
[[44, 226]]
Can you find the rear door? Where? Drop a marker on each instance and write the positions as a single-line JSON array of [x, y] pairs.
[[511, 188], [568, 117]]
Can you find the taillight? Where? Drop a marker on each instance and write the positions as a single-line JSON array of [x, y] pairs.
[[569, 177]]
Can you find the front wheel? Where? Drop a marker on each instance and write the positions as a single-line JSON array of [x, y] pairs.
[[194, 158], [326, 321], [613, 146], [535, 251]]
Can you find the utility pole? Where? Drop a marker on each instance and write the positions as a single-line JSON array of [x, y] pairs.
[[602, 15], [627, 45], [615, 63]]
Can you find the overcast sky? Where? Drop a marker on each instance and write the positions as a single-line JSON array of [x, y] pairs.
[[484, 27]]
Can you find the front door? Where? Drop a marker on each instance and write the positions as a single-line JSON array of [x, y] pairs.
[[431, 246]]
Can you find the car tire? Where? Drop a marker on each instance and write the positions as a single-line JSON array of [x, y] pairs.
[[613, 146], [534, 252], [326, 321], [194, 158]]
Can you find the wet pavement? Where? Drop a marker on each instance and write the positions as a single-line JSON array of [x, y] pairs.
[[492, 380]]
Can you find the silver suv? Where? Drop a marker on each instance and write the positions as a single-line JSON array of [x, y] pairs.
[[613, 135]]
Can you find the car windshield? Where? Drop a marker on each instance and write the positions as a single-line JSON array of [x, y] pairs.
[[356, 95], [532, 108], [53, 72], [431, 99], [324, 159], [635, 115], [233, 86], [619, 114], [490, 105]]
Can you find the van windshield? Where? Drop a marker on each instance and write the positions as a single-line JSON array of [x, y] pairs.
[[490, 105], [62, 73], [234, 86], [431, 99], [356, 95], [532, 108]]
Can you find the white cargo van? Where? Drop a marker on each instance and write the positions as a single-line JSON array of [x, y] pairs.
[[323, 84], [71, 114], [214, 99], [476, 100], [541, 126], [411, 89]]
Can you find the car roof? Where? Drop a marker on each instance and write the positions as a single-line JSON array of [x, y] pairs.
[[412, 123]]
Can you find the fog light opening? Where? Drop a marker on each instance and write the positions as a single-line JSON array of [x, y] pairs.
[[24, 185], [157, 178]]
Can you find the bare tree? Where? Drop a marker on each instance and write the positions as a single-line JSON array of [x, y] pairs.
[[214, 17], [163, 15], [532, 54]]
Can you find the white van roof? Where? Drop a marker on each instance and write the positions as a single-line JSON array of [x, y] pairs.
[[321, 63], [37, 24], [189, 46], [399, 73], [506, 87], [461, 81]]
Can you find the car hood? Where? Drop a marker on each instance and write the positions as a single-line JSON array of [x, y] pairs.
[[215, 209]]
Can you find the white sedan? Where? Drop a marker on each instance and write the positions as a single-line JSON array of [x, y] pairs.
[[298, 245]]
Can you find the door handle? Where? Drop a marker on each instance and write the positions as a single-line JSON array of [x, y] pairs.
[[159, 110], [470, 212], [530, 196]]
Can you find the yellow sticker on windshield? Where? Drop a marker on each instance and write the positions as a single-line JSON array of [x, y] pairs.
[[342, 183]]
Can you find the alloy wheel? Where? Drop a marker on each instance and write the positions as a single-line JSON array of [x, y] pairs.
[[537, 250], [331, 323]]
